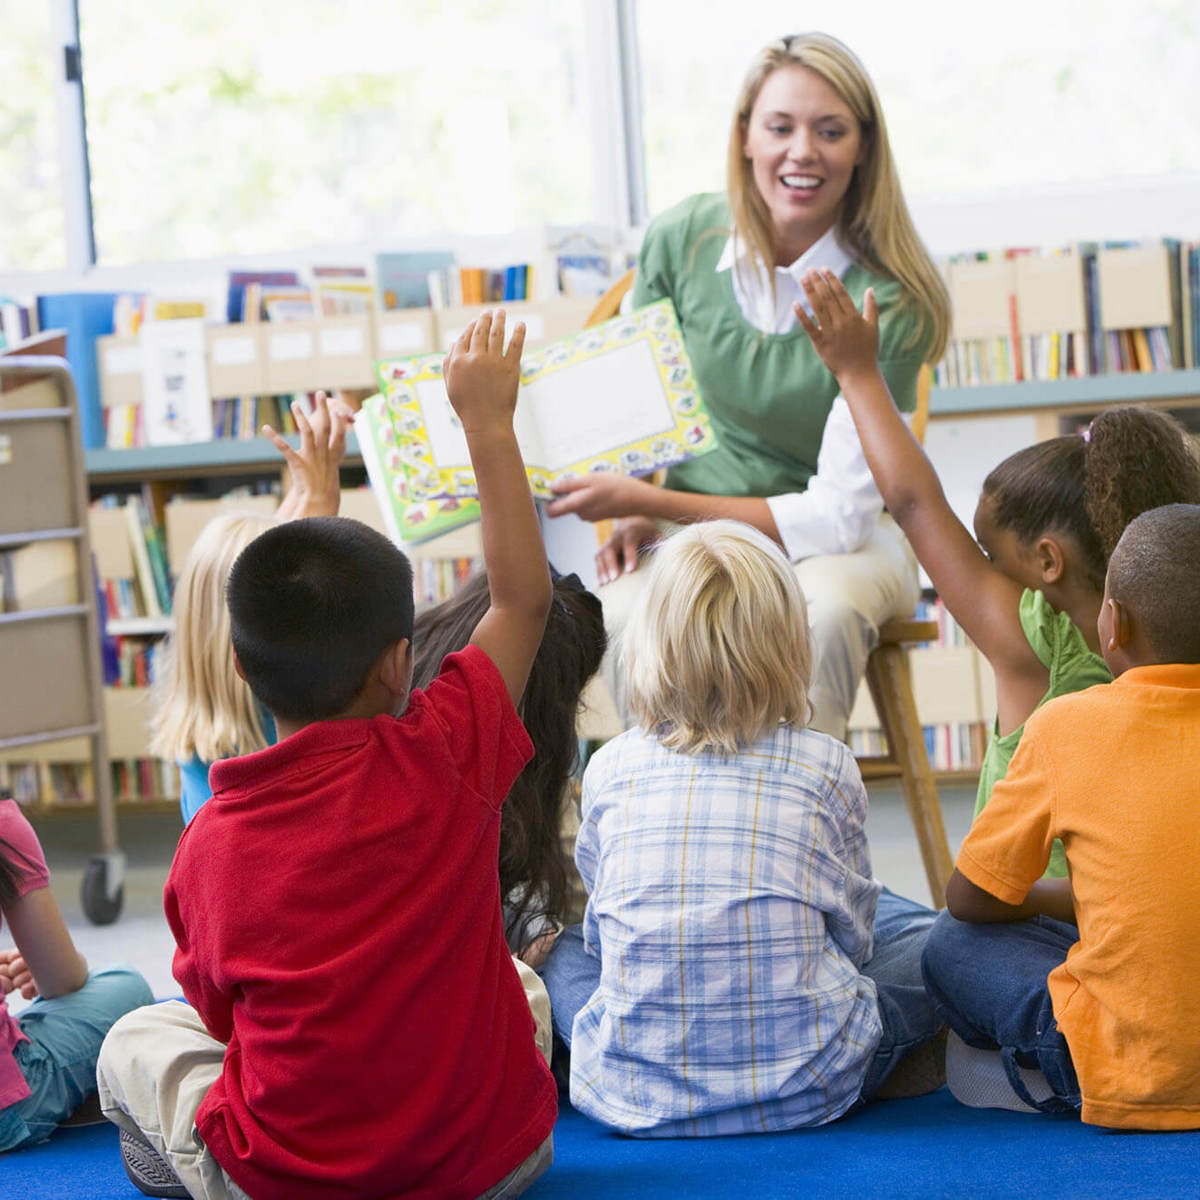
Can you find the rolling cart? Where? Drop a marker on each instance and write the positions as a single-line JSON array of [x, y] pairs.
[[50, 673]]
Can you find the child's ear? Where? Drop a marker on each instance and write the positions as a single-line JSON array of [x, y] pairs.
[[1050, 559], [396, 668], [1120, 627]]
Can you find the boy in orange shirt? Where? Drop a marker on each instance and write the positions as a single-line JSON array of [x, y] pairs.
[[1087, 986]]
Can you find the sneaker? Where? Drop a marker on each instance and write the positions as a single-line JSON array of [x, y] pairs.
[[917, 1074], [977, 1078], [147, 1170]]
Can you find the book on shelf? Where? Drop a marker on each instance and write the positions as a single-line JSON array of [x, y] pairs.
[[407, 278], [1089, 309], [619, 396]]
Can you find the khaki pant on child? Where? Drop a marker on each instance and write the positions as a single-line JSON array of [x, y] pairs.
[[157, 1064]]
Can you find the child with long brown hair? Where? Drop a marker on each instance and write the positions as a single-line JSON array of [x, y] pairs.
[[1027, 588], [534, 871]]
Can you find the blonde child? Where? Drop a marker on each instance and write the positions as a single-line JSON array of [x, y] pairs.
[[205, 711], [48, 1052], [738, 969], [1027, 588]]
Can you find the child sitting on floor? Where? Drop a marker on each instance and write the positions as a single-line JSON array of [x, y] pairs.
[[737, 969], [48, 1052], [1103, 1017], [536, 876], [204, 710], [1027, 592], [359, 1027]]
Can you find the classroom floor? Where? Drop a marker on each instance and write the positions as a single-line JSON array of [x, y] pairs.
[[140, 935]]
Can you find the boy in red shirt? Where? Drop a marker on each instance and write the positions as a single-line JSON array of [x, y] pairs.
[[1080, 994], [359, 1027]]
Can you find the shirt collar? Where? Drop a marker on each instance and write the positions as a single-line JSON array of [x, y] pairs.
[[826, 251]]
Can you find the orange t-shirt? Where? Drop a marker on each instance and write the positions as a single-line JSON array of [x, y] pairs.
[[1113, 772]]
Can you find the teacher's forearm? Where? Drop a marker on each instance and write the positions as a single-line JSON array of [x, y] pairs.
[[684, 507]]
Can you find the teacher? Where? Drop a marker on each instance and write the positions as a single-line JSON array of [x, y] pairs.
[[810, 183]]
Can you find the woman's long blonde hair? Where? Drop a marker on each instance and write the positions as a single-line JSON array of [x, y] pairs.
[[717, 650], [203, 707], [873, 222]]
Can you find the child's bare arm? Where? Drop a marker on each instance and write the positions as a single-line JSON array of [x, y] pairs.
[[969, 902], [481, 381], [47, 962], [314, 489], [982, 598]]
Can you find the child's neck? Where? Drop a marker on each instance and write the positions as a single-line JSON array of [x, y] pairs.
[[1082, 605], [370, 702]]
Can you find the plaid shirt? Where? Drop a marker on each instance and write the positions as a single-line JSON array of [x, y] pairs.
[[731, 905]]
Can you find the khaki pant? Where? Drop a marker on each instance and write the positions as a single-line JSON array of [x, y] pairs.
[[157, 1064], [849, 596]]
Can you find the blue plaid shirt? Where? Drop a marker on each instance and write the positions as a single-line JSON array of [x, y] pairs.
[[731, 906]]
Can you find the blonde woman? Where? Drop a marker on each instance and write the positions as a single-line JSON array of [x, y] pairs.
[[204, 710], [810, 184], [738, 968]]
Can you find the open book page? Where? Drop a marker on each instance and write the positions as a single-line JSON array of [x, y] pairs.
[[408, 521], [619, 396]]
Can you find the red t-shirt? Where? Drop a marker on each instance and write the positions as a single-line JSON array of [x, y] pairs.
[[18, 833], [336, 908]]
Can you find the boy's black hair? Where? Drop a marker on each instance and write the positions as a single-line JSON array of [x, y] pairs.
[[313, 604], [1155, 573], [1133, 459]]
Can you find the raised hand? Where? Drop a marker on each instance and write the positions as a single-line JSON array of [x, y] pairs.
[[314, 489], [846, 340], [482, 377]]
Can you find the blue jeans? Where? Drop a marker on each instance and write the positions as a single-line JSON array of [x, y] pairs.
[[988, 982], [571, 975], [59, 1060]]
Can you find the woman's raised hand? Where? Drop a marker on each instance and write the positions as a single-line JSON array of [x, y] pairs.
[[847, 341]]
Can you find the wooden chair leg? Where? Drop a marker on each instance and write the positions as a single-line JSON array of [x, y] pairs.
[[890, 681]]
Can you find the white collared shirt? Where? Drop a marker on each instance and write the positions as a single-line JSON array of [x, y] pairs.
[[841, 505]]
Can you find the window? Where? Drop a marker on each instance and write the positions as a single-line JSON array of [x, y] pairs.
[[31, 205], [979, 99], [218, 127]]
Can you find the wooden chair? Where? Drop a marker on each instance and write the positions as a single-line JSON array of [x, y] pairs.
[[889, 678]]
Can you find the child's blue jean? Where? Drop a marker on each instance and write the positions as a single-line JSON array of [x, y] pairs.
[[571, 975], [59, 1060], [988, 983]]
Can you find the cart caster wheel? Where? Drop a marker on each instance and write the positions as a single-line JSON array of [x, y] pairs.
[[99, 906]]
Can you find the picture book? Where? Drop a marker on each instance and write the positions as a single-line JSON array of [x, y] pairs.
[[619, 396], [402, 276]]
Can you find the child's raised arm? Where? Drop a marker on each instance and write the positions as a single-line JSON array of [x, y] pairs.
[[481, 381], [315, 489], [983, 600]]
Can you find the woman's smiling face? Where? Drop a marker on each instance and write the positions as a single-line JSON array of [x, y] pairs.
[[803, 143]]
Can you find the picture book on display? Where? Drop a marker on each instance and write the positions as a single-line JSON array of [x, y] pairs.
[[619, 396]]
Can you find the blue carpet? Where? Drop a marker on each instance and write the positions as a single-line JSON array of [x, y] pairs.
[[923, 1149]]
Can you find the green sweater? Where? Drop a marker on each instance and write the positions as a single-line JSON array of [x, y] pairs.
[[1062, 650], [768, 394]]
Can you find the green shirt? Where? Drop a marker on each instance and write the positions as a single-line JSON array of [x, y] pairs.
[[1061, 649], [768, 394]]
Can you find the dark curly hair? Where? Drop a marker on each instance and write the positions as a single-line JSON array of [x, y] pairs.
[[533, 867], [1131, 459]]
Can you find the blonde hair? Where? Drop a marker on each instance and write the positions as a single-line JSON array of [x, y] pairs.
[[717, 650], [873, 222], [203, 707]]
